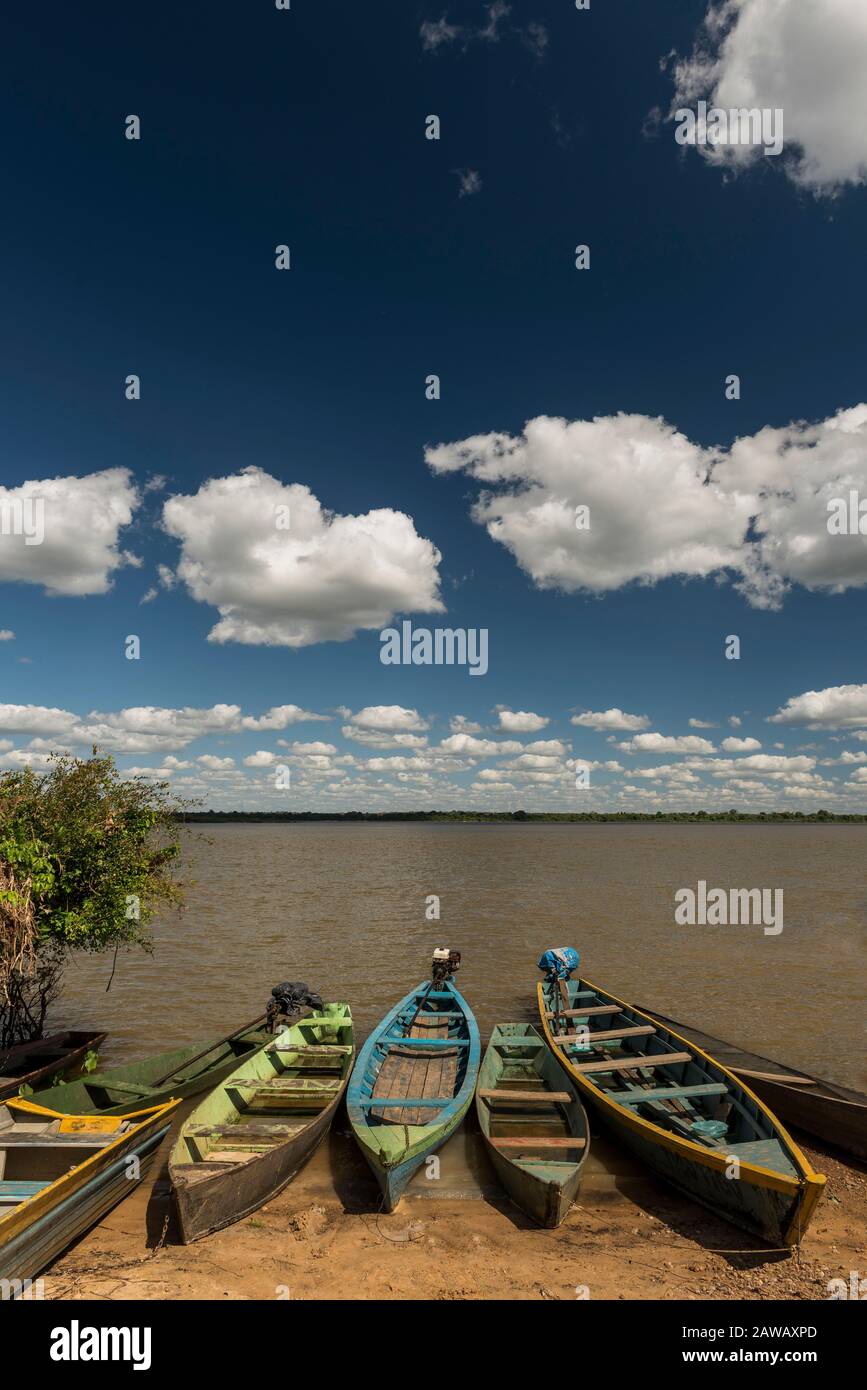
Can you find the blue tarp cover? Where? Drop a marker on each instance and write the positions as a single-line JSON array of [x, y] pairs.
[[560, 962]]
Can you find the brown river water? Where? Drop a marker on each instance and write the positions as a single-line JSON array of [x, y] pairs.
[[342, 906]]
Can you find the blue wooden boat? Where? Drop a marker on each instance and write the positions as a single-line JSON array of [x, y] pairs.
[[413, 1083], [681, 1111], [60, 1174]]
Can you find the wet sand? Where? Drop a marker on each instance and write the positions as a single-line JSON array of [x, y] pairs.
[[459, 1237]]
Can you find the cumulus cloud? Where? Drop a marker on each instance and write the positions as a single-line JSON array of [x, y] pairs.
[[521, 721], [836, 707], [701, 724], [659, 506], [663, 743], [283, 571], [63, 533], [479, 747], [144, 728], [388, 717], [610, 719], [458, 724], [807, 59], [740, 745]]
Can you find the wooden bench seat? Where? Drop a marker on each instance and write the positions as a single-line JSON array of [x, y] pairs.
[[658, 1059], [608, 1035], [527, 1141], [530, 1097]]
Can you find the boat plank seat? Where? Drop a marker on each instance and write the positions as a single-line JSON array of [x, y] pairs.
[[125, 1089], [525, 1141], [608, 1035], [637, 1096], [529, 1097], [422, 1102], [14, 1191], [325, 1085], [316, 1050], [445, 1044], [57, 1141], [657, 1059], [584, 1013]]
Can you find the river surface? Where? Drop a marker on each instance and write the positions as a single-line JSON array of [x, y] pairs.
[[343, 908]]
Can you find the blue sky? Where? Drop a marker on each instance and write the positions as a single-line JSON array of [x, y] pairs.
[[306, 389]]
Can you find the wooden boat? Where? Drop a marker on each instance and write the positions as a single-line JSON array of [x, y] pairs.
[[682, 1111], [824, 1109], [533, 1122], [185, 1072], [60, 1174], [33, 1064], [249, 1137], [413, 1083]]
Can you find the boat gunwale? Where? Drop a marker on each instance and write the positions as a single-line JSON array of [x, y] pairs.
[[808, 1180], [453, 1110]]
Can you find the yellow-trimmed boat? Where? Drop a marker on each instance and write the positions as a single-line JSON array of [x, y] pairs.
[[60, 1174], [681, 1111]]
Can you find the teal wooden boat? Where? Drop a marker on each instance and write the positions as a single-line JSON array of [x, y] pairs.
[[534, 1125], [60, 1174], [184, 1072], [249, 1137], [413, 1083], [681, 1111]]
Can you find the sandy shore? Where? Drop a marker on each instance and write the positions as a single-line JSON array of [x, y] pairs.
[[460, 1238]]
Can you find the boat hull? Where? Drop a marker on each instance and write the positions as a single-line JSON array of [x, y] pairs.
[[835, 1114], [49, 1223], [395, 1152], [211, 1203], [770, 1204], [393, 1180], [212, 1188]]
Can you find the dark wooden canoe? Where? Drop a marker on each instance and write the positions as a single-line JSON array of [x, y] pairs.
[[33, 1064], [249, 1137], [187, 1071], [534, 1125], [830, 1112]]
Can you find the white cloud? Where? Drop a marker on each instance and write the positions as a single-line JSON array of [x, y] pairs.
[[261, 758], [81, 520], [208, 760], [836, 707], [393, 718], [663, 743], [608, 719], [458, 724], [740, 745], [308, 749], [662, 506], [521, 721], [701, 724], [479, 747], [438, 32], [734, 721], [7, 635], [144, 728], [469, 182], [319, 579], [377, 738], [805, 57]]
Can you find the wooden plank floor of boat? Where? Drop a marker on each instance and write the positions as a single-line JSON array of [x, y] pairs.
[[410, 1072]]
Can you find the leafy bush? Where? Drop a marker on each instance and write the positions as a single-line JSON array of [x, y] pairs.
[[86, 858]]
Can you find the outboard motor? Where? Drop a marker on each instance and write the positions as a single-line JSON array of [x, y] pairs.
[[288, 999], [559, 963], [445, 964]]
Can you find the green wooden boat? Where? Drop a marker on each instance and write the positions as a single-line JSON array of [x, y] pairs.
[[185, 1072], [249, 1137], [533, 1123]]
